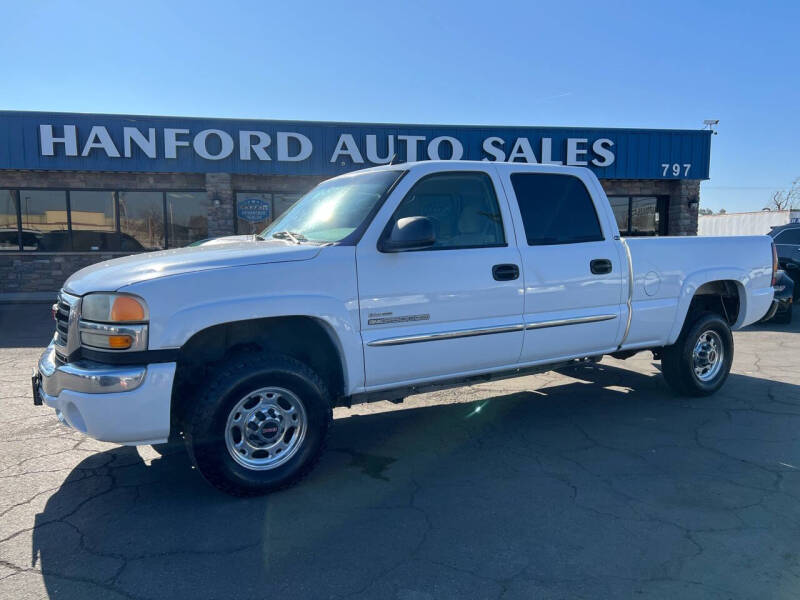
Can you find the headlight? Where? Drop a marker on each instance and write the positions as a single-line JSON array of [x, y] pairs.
[[113, 322], [113, 308]]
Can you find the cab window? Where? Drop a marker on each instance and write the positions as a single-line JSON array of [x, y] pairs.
[[462, 207], [556, 209]]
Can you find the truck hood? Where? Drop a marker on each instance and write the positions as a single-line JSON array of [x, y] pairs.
[[113, 274]]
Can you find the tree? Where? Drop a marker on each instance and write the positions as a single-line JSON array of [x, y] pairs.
[[705, 211], [786, 199]]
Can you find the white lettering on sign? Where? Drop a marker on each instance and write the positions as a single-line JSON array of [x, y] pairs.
[[411, 145], [372, 150], [48, 140], [171, 142], [99, 138], [290, 146], [283, 146], [493, 147], [456, 149], [547, 153], [260, 147], [573, 151], [146, 144], [522, 149], [346, 146], [200, 144], [602, 147]]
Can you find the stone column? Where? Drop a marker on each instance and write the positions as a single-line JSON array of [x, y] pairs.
[[221, 211], [684, 202]]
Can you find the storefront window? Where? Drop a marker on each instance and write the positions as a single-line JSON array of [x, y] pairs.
[[9, 236], [638, 215], [187, 216], [253, 212], [619, 204], [644, 215], [94, 224], [141, 221], [44, 220]]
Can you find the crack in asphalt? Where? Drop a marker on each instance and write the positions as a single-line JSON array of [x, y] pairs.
[[595, 470]]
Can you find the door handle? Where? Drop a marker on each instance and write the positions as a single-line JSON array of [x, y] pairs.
[[600, 266], [505, 272]]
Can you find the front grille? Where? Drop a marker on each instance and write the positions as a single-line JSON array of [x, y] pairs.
[[66, 318], [62, 322]]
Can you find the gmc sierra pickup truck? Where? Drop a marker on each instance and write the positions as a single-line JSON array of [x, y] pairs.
[[376, 285]]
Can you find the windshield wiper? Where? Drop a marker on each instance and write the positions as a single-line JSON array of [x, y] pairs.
[[297, 238]]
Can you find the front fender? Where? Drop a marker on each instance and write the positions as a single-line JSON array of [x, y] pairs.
[[323, 289]]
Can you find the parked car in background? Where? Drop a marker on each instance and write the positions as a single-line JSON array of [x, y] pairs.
[[380, 284], [781, 309], [787, 243]]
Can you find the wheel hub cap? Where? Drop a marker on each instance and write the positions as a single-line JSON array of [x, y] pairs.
[[265, 428], [708, 356]]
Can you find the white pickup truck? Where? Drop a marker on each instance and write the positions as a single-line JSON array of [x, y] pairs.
[[376, 285]]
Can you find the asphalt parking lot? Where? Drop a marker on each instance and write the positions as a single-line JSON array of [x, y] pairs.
[[593, 484]]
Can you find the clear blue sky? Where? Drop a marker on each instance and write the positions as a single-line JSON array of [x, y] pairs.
[[637, 64]]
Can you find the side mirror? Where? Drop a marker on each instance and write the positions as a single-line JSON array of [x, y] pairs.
[[410, 233]]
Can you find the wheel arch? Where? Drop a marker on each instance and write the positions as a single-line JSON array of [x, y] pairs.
[[721, 292], [311, 340]]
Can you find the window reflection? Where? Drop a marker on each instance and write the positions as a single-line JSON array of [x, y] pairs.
[[93, 221], [44, 220], [644, 215], [9, 236], [619, 204], [141, 221], [187, 215]]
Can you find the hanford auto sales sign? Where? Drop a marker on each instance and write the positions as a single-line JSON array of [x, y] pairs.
[[83, 142]]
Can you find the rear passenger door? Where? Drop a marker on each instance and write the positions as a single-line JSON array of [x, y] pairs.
[[450, 309], [574, 269]]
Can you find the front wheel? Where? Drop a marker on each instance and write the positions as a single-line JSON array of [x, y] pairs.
[[698, 363], [260, 425]]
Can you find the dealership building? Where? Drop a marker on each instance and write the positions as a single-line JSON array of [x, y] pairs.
[[76, 189]]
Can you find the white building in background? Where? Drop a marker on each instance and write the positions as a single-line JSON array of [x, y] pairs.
[[745, 223]]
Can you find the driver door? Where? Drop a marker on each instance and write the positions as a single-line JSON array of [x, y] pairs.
[[452, 308]]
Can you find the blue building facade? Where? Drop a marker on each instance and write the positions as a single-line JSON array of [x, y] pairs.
[[78, 188], [128, 143]]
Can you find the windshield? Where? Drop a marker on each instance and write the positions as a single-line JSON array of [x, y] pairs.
[[332, 210]]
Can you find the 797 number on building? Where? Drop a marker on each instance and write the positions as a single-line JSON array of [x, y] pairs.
[[675, 169]]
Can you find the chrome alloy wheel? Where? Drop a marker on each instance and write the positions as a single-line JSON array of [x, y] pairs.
[[708, 356], [266, 428]]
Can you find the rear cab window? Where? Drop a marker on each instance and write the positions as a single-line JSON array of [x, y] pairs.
[[555, 209]]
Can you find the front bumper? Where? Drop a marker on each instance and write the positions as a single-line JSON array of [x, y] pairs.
[[128, 404]]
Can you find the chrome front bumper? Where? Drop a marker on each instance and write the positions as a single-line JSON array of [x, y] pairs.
[[126, 405], [86, 376]]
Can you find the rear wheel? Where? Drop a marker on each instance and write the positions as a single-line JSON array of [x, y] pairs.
[[260, 425], [698, 363], [785, 316]]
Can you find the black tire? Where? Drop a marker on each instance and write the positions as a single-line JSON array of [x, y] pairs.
[[205, 422], [677, 362], [166, 449], [784, 317]]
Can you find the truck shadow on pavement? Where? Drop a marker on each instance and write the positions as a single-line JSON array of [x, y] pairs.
[[604, 486]]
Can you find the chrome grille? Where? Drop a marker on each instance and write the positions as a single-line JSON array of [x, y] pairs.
[[62, 322], [66, 339]]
